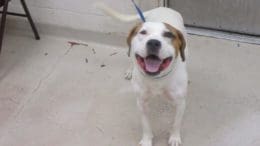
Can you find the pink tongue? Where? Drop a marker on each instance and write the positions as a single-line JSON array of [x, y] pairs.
[[152, 65]]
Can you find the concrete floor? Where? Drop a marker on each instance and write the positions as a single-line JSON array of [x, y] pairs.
[[55, 94]]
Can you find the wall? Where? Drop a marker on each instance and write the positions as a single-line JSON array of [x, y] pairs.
[[80, 14], [240, 16]]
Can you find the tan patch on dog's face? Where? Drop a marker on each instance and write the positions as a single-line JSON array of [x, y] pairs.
[[177, 40], [133, 33]]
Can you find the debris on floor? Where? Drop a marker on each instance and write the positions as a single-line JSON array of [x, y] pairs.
[[72, 43], [112, 54], [102, 65], [94, 51]]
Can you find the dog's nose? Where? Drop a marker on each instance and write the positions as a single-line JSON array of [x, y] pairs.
[[153, 46]]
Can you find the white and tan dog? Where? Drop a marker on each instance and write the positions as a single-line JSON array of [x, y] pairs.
[[159, 53]]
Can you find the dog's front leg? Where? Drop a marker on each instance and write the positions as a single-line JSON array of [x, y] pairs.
[[179, 103], [147, 131], [128, 73]]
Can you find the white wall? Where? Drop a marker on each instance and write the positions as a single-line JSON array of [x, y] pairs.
[[80, 14]]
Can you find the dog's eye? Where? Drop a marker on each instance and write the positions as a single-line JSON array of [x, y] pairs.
[[143, 32], [168, 35]]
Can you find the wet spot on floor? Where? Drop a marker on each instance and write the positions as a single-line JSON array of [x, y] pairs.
[[46, 54], [86, 60], [102, 65]]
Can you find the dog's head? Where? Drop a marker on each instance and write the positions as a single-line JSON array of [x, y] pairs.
[[156, 46]]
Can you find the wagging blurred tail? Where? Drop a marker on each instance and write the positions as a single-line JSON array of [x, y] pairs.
[[115, 14]]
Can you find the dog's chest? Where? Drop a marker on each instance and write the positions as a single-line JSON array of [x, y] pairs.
[[155, 87], [174, 83]]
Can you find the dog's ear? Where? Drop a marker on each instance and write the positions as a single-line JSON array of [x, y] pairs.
[[183, 44], [178, 41], [131, 34]]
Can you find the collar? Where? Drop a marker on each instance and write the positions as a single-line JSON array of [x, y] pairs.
[[157, 77]]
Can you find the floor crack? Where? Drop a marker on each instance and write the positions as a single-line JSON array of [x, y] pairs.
[[51, 71]]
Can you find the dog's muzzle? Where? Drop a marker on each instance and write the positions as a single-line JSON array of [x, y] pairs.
[[152, 64]]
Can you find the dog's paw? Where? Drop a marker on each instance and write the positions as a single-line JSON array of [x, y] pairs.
[[174, 140], [128, 74], [145, 142]]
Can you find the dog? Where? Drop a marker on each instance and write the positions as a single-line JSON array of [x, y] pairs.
[[158, 49]]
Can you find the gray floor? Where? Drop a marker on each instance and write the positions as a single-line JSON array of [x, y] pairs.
[[55, 94]]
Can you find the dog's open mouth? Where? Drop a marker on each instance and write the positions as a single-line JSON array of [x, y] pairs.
[[152, 64]]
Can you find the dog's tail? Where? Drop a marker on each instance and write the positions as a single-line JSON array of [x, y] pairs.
[[115, 14]]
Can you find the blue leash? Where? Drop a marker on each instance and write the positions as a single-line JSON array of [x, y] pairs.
[[139, 11]]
